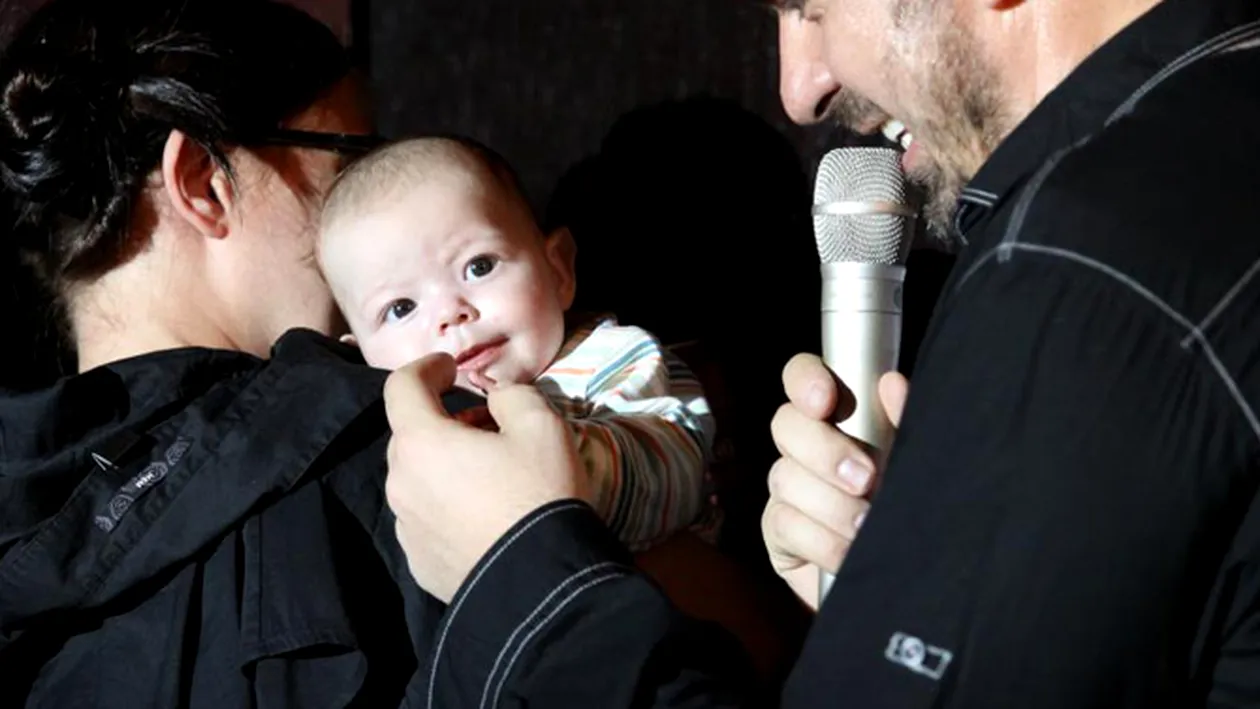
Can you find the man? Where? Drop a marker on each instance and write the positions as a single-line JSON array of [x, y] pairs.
[[1069, 517]]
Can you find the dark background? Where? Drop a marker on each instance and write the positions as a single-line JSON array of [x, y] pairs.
[[544, 80]]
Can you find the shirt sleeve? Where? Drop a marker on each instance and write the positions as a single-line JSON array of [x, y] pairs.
[[555, 615], [1067, 479], [644, 432]]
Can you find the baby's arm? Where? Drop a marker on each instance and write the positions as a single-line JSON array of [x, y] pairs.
[[645, 433]]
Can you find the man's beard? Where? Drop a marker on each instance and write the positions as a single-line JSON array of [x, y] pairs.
[[959, 119], [963, 120]]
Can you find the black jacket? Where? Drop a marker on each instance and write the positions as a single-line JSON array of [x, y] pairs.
[[1069, 518], [199, 528]]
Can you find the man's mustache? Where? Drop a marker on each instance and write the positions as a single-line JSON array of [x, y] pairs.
[[855, 112]]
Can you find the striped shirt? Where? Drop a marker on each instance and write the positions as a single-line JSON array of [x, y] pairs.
[[643, 430]]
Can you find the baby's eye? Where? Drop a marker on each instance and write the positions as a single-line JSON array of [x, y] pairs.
[[398, 310], [480, 267]]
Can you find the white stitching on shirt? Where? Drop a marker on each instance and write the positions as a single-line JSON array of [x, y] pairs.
[[1238, 38], [978, 196], [1159, 303], [977, 192], [507, 671], [507, 644], [453, 610], [1225, 301], [1024, 205]]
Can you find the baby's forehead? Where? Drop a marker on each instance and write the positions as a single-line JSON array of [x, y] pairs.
[[440, 207]]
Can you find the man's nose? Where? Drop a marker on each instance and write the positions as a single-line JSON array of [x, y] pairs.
[[806, 85]]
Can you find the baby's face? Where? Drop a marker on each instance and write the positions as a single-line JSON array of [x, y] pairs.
[[452, 266]]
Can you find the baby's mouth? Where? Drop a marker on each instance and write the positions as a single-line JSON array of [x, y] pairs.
[[480, 355]]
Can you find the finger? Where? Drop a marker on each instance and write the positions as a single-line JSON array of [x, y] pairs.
[[818, 499], [820, 447], [793, 538], [893, 390], [481, 381], [413, 392], [520, 407], [814, 388], [809, 385]]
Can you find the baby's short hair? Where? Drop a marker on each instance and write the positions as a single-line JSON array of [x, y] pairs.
[[400, 164]]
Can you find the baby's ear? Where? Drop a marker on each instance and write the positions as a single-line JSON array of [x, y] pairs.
[[562, 255], [348, 339]]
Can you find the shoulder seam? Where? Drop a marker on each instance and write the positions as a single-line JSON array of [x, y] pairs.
[[1194, 333]]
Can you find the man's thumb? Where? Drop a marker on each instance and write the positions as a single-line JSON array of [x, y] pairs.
[[520, 406], [415, 391], [893, 390]]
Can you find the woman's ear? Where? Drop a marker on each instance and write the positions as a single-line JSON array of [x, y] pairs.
[[198, 189], [562, 255]]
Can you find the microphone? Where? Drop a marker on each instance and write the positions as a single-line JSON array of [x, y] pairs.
[[863, 226]]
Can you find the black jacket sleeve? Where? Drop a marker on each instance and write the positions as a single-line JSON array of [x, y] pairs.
[[555, 616], [1067, 481]]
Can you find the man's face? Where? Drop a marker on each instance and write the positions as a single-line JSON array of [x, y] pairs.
[[864, 63]]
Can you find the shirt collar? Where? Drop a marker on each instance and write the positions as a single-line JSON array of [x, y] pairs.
[[1085, 100]]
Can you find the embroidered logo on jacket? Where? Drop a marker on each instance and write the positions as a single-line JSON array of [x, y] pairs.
[[151, 475], [917, 656]]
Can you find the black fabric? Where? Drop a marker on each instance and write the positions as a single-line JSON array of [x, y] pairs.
[[203, 528], [629, 648], [1070, 508], [1070, 513]]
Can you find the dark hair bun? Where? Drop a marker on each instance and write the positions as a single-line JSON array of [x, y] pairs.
[[63, 118], [91, 91], [30, 105]]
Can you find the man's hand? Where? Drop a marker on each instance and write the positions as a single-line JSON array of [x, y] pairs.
[[818, 488], [456, 489]]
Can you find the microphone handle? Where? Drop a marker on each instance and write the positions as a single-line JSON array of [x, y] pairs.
[[861, 340]]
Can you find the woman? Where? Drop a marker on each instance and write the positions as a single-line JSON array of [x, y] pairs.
[[197, 517]]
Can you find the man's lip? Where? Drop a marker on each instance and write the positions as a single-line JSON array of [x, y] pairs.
[[474, 352]]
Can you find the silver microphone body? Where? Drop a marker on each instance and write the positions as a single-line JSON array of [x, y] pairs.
[[861, 340], [863, 226]]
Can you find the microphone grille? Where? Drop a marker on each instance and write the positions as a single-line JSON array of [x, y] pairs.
[[862, 177]]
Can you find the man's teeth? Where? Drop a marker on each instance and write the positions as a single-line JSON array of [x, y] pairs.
[[896, 132]]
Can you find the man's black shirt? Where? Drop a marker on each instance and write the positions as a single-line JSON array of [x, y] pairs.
[[1069, 517]]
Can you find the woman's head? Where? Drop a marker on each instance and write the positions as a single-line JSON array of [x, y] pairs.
[[139, 158]]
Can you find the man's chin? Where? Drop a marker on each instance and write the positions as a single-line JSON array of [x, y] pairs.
[[938, 195]]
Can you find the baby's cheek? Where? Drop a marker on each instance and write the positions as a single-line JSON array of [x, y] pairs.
[[546, 346], [390, 352]]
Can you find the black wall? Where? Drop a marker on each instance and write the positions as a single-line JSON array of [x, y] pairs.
[[544, 80]]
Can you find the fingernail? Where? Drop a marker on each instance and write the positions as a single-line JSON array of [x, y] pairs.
[[857, 474], [857, 521]]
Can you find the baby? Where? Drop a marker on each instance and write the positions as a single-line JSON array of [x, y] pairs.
[[429, 245]]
